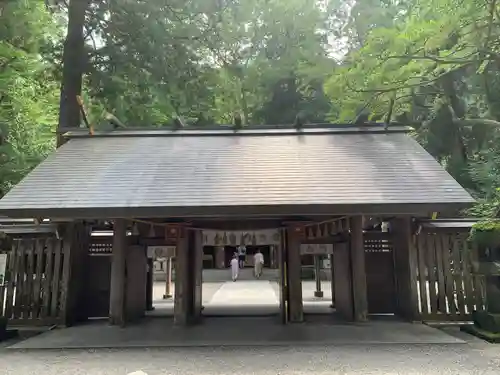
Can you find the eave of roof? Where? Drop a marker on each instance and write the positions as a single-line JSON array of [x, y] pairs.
[[327, 170]]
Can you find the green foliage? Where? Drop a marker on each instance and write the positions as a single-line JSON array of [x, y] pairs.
[[486, 233], [29, 92], [204, 60], [436, 59]]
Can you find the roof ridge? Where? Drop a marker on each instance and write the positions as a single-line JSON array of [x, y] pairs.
[[228, 130]]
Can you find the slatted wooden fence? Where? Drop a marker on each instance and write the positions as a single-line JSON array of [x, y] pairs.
[[446, 287], [33, 288]]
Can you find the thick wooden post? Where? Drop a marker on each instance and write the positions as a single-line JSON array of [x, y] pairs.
[[149, 283], [135, 293], [197, 274], [294, 274], [332, 279], [117, 293], [168, 278], [358, 269], [75, 244], [317, 276], [405, 266], [220, 262], [183, 290], [343, 281], [272, 257]]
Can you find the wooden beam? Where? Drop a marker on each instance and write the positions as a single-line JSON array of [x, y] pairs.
[[343, 237], [358, 269], [117, 292]]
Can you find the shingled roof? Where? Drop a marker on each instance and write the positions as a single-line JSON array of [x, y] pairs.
[[188, 173]]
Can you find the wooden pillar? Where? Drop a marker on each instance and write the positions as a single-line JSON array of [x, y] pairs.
[[358, 269], [272, 257], [220, 257], [76, 237], [294, 234], [117, 292], [136, 260], [317, 276], [188, 277], [197, 272], [150, 283], [332, 279], [283, 279], [168, 278], [405, 265], [343, 281]]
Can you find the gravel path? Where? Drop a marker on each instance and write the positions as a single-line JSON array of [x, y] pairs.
[[383, 360]]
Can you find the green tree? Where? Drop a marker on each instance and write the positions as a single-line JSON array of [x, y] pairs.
[[28, 89]]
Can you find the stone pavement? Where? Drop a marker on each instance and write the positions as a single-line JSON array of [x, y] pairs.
[[236, 331], [245, 298]]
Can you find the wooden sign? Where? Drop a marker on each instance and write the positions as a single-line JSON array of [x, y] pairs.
[[161, 252], [236, 238], [316, 249]]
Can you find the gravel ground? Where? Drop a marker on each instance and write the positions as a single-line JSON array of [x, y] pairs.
[[381, 359], [475, 357]]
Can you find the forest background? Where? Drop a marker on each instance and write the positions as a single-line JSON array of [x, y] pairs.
[[431, 64]]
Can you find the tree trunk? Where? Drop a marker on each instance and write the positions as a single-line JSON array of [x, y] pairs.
[[74, 62]]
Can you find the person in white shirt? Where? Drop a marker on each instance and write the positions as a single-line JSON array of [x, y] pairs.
[[235, 268], [258, 263]]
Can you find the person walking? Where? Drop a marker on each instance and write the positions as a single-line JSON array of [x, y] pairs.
[[235, 268], [258, 263], [242, 254]]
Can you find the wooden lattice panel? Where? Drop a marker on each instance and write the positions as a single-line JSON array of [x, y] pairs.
[[378, 242], [101, 246]]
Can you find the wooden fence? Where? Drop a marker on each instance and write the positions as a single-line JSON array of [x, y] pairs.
[[446, 287], [33, 290]]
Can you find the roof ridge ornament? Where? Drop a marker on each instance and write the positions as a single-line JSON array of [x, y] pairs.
[[79, 100], [238, 122], [178, 123], [300, 121]]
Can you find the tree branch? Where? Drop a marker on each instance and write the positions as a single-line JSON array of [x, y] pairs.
[[434, 58], [410, 85]]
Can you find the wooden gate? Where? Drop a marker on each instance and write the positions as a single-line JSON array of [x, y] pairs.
[[379, 264], [33, 292], [447, 289]]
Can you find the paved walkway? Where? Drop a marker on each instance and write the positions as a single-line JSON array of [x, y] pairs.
[[232, 332], [244, 298], [244, 293]]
